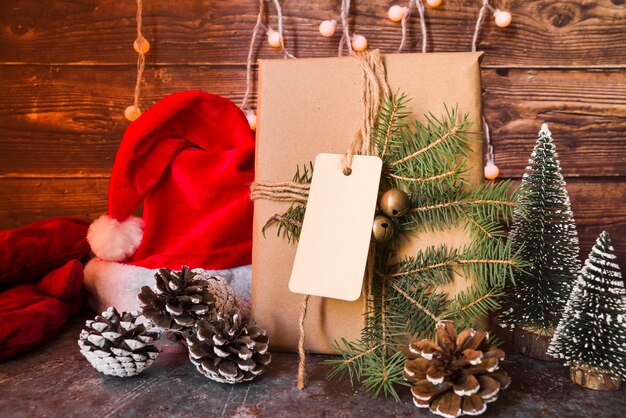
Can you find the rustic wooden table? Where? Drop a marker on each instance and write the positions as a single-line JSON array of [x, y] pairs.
[[56, 381]]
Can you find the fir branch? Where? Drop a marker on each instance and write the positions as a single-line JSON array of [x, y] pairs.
[[433, 177], [482, 228], [453, 130], [416, 303], [473, 303], [389, 122], [462, 203], [290, 222], [448, 136]]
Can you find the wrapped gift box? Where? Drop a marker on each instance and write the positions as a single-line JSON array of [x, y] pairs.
[[310, 106]]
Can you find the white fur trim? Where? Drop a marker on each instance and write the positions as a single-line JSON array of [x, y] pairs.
[[116, 284], [113, 240]]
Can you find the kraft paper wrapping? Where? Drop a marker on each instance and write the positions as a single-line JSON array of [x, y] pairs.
[[310, 106]]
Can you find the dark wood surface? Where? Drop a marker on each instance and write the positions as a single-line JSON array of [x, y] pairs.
[[56, 381]]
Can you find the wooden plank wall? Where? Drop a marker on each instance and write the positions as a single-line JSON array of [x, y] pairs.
[[67, 70]]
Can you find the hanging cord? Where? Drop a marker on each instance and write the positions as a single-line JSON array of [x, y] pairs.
[[301, 350], [489, 156], [255, 33], [345, 24], [481, 16], [375, 88], [279, 13], [420, 8], [141, 58]]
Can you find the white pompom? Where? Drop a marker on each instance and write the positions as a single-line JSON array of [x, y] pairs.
[[113, 240]]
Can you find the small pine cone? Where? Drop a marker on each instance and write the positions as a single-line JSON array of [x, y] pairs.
[[230, 349], [119, 345], [225, 298], [178, 301], [457, 375]]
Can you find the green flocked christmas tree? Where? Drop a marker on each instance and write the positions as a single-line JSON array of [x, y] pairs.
[[592, 331], [544, 232]]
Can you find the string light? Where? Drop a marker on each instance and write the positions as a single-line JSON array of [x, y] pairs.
[[359, 43], [274, 38], [502, 19], [433, 3], [141, 46], [396, 13], [328, 28]]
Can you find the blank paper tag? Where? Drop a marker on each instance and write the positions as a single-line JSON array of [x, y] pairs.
[[337, 228]]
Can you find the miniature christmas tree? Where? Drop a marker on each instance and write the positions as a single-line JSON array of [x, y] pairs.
[[544, 233], [591, 336]]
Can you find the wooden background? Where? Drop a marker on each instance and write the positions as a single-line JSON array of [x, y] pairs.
[[67, 71]]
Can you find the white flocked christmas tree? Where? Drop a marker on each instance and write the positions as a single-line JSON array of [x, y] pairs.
[[592, 331]]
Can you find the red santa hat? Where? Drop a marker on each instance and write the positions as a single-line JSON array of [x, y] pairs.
[[190, 161]]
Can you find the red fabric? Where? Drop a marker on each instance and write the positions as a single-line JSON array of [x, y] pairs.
[[29, 252], [190, 160], [65, 282], [29, 316]]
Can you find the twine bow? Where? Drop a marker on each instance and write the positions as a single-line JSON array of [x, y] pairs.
[[375, 89]]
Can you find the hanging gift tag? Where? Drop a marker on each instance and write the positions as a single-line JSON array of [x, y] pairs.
[[337, 228]]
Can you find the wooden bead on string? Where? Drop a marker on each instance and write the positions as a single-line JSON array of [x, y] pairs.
[[433, 3], [382, 229], [328, 28], [396, 13], [502, 18], [359, 43], [273, 38], [395, 203]]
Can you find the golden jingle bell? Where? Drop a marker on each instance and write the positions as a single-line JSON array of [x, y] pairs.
[[382, 229], [395, 203]]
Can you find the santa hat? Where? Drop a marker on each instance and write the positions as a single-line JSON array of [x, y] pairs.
[[190, 161]]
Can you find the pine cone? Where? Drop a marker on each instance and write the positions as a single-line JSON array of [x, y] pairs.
[[119, 345], [225, 298], [457, 375], [179, 300], [230, 349]]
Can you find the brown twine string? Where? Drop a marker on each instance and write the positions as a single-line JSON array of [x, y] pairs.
[[141, 59], [375, 88], [301, 352], [287, 191], [255, 33]]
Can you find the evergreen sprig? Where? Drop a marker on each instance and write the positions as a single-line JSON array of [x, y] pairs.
[[408, 297]]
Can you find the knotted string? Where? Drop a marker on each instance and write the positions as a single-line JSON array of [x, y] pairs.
[[375, 88], [141, 58]]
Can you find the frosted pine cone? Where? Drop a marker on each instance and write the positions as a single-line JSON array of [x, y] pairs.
[[178, 301], [457, 375], [119, 345], [230, 349]]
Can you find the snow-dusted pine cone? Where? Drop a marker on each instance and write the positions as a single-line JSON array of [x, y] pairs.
[[230, 349], [119, 345], [178, 301], [458, 375]]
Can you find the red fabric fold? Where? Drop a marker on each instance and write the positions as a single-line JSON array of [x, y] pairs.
[[30, 252], [30, 315]]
